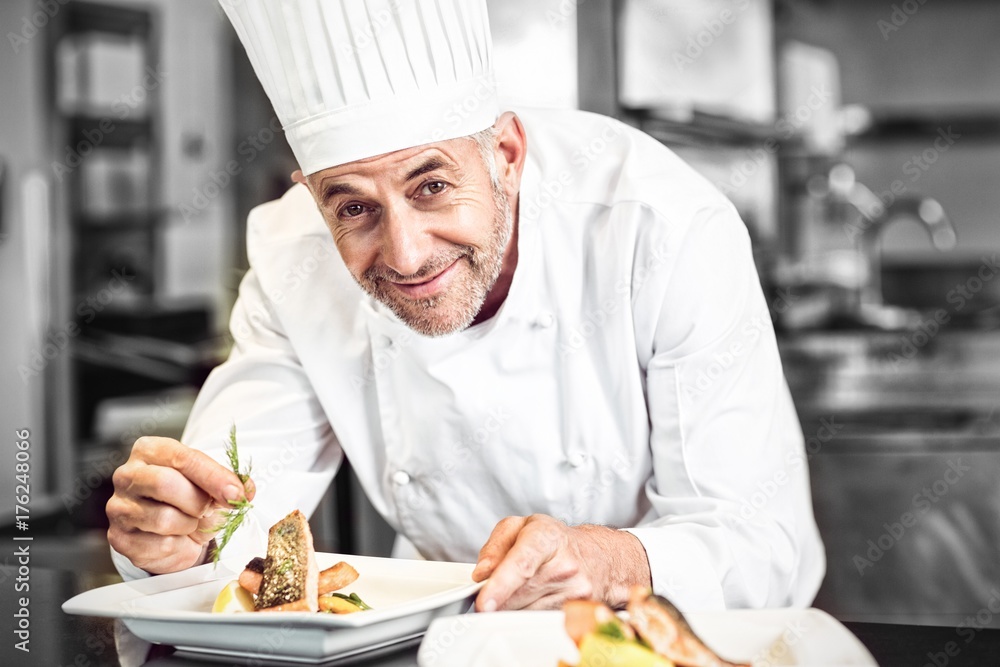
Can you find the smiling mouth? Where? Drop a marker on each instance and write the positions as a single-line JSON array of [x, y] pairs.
[[429, 287]]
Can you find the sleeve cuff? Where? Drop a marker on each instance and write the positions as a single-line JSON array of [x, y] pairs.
[[680, 566], [126, 569]]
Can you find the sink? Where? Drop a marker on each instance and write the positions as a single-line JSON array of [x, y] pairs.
[[958, 296]]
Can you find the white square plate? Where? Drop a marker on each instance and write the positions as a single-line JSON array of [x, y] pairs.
[[175, 609], [762, 637]]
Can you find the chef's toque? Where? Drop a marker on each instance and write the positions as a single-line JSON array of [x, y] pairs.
[[351, 79]]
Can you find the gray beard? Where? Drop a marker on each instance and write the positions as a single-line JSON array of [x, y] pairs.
[[464, 299]]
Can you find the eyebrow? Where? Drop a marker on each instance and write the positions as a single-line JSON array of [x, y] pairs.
[[334, 189], [427, 166], [430, 164]]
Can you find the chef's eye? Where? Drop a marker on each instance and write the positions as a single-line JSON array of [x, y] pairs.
[[352, 210], [433, 188]]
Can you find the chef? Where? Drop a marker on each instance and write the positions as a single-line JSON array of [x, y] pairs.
[[538, 337]]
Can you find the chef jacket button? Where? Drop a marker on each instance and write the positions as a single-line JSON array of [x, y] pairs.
[[577, 459], [545, 320], [401, 477], [385, 342]]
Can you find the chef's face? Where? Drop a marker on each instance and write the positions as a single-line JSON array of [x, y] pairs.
[[423, 230]]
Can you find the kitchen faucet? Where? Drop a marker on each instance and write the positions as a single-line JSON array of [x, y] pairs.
[[876, 215]]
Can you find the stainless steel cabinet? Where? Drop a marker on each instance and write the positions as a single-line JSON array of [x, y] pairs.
[[904, 452]]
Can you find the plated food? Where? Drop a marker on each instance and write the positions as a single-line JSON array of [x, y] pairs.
[[653, 633], [288, 579]]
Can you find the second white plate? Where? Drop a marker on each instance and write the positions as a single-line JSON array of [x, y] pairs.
[[538, 639]]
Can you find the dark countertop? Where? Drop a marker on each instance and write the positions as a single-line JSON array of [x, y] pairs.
[[63, 640]]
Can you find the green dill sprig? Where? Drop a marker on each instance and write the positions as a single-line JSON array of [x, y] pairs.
[[234, 518], [233, 453]]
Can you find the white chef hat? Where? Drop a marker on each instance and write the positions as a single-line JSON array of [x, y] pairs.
[[351, 79]]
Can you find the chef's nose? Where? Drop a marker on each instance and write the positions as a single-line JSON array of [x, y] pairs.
[[406, 246]]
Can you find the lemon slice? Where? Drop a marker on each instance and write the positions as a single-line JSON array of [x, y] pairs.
[[233, 598]]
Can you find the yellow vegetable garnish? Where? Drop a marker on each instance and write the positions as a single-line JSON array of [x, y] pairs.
[[598, 649]]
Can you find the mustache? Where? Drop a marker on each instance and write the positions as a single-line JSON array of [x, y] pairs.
[[433, 266]]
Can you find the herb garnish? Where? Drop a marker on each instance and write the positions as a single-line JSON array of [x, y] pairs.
[[234, 518], [611, 629], [354, 599]]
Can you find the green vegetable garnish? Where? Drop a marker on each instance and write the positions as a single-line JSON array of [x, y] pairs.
[[234, 518], [353, 599], [611, 629]]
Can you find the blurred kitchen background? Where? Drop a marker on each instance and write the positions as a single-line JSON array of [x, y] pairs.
[[860, 141]]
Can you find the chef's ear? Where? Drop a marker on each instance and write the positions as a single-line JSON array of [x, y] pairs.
[[511, 150], [298, 177]]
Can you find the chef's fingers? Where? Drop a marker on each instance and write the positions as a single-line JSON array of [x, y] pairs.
[[547, 602], [212, 477], [209, 526], [499, 543], [168, 486], [536, 543], [559, 579], [157, 554], [151, 516]]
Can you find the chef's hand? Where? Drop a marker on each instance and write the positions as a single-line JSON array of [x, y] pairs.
[[169, 501], [539, 562]]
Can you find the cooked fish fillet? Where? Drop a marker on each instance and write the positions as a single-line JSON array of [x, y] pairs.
[[291, 577]]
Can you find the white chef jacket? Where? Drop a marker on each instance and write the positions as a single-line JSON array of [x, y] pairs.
[[631, 379]]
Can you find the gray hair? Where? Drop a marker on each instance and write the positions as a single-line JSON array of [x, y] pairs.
[[485, 140]]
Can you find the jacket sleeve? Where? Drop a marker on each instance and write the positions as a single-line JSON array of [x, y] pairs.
[[731, 522], [281, 428]]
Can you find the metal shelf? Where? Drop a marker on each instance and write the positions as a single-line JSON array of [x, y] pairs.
[[86, 17]]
